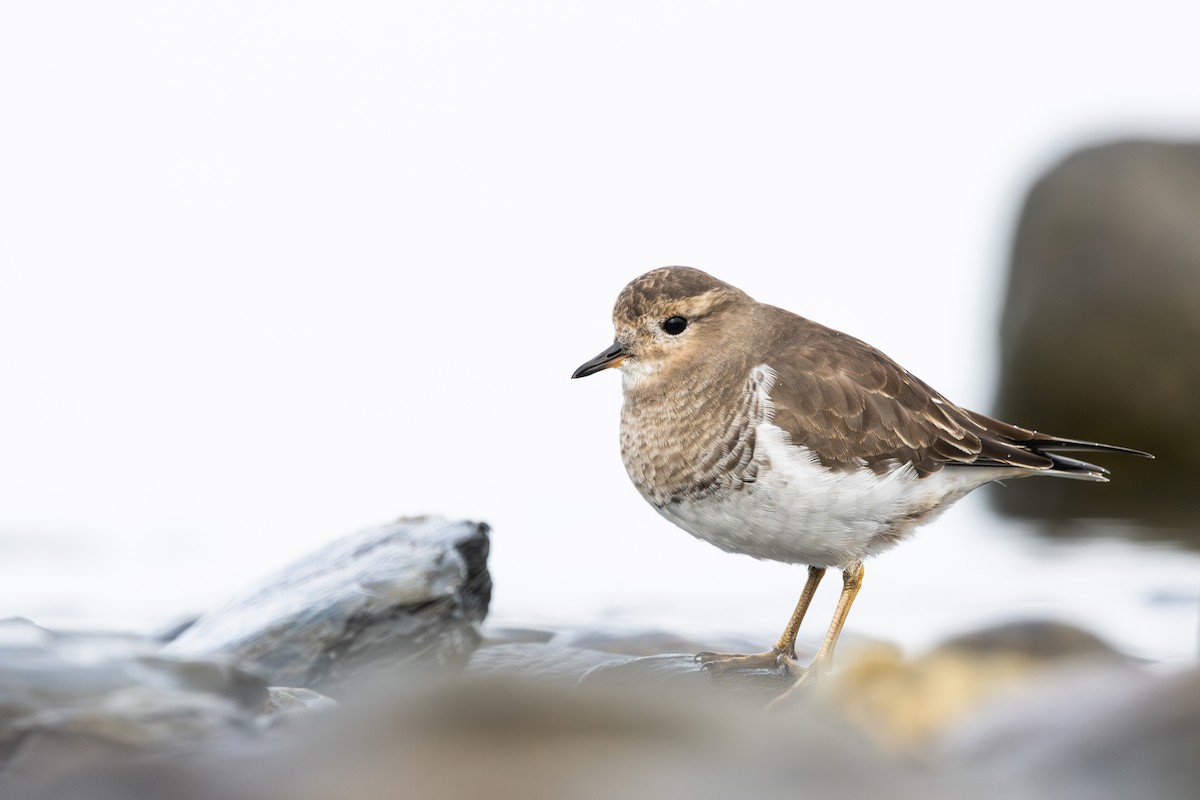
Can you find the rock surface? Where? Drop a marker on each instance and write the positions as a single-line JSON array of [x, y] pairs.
[[912, 705], [70, 701], [598, 656], [410, 593], [1031, 710], [287, 699], [1101, 328], [499, 736], [1088, 734], [679, 672]]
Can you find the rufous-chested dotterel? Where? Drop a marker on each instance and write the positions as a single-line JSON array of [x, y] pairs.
[[764, 433]]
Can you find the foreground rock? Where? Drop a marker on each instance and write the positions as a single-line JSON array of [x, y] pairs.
[[916, 705], [75, 701], [500, 736], [1035, 710], [1090, 735], [1099, 338], [1032, 710], [406, 594]]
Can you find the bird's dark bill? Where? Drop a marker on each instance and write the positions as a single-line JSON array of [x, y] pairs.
[[611, 357]]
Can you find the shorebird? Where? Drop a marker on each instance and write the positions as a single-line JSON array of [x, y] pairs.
[[768, 434]]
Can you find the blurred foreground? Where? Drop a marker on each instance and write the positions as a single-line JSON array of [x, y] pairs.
[[390, 696]]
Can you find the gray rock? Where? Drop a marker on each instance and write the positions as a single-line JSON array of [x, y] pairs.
[[70, 701], [652, 643], [1099, 338], [508, 635], [597, 654], [1069, 720], [1096, 734], [288, 699], [1036, 639], [542, 662], [503, 736], [410, 593], [680, 672]]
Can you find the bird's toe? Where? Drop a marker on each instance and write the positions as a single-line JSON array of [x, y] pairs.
[[719, 663]]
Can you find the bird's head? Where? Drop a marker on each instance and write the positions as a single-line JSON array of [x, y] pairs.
[[669, 319]]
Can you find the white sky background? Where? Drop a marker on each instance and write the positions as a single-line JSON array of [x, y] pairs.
[[274, 271]]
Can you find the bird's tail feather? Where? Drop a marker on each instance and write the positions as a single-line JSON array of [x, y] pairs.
[[1064, 467]]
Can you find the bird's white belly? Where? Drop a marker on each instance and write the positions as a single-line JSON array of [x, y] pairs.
[[797, 511]]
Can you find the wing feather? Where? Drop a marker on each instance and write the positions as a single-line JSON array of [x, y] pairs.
[[851, 404]]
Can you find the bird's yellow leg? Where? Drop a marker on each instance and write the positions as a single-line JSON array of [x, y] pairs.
[[784, 651], [852, 577], [787, 641]]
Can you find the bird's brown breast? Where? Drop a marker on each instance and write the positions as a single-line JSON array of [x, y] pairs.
[[687, 435]]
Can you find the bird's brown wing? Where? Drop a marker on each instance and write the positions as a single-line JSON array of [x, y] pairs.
[[853, 406]]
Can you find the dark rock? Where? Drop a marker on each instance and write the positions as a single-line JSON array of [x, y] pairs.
[[1041, 640], [409, 593], [1101, 328]]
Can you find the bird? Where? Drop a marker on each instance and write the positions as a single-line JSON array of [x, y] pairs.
[[770, 435]]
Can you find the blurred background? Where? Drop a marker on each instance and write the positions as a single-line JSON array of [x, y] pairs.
[[271, 272]]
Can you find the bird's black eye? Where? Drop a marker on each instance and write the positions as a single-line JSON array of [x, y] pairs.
[[674, 325]]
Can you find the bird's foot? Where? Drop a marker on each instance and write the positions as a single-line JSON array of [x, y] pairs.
[[806, 677], [773, 659]]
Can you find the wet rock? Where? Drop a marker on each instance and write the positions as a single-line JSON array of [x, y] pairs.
[[493, 635], [72, 701], [543, 662], [651, 643], [1032, 710], [410, 593], [287, 699], [601, 655], [680, 672], [1101, 328]]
